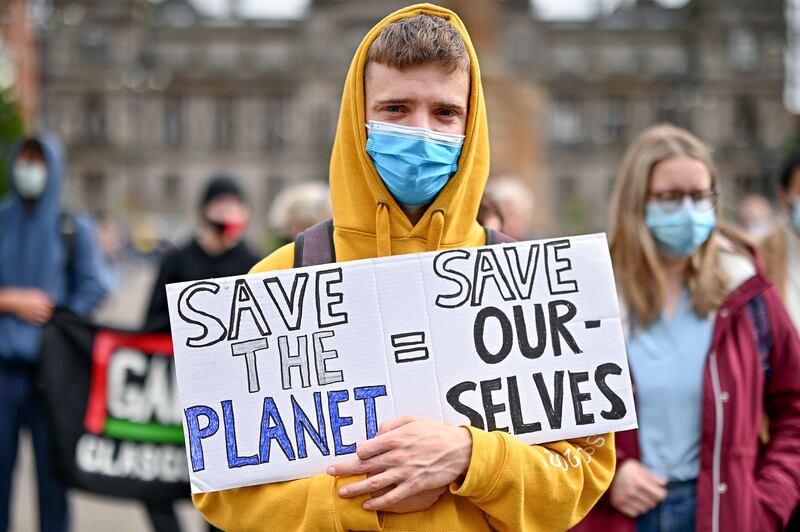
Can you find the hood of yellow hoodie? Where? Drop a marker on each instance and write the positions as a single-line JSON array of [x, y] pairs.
[[368, 221]]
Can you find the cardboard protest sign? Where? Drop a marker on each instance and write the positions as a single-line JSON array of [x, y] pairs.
[[109, 396], [282, 373]]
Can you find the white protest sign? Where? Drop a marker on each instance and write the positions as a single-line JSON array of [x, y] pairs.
[[280, 374]]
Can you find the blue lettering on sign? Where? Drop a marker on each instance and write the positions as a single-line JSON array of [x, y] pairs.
[[196, 434]]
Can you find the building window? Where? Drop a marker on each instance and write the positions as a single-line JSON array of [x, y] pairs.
[[743, 50], [745, 119], [614, 119], [570, 59], [171, 188], [672, 111], [274, 122], [94, 190], [224, 123], [93, 46], [94, 119], [173, 121], [566, 123]]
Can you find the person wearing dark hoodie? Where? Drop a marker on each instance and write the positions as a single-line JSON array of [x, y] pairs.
[[48, 259], [218, 250]]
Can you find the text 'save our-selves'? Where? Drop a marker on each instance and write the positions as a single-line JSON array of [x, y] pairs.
[[281, 374]]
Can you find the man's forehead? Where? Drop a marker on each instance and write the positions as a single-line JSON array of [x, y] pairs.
[[383, 80]]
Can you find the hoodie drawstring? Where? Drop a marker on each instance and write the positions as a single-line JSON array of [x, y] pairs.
[[383, 231], [435, 230]]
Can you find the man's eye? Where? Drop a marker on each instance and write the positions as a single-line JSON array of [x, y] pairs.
[[447, 112], [392, 108]]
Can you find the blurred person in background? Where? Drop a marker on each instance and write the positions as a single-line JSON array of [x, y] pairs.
[[217, 250], [48, 258], [711, 350], [298, 207], [781, 249], [756, 216], [489, 214], [515, 202]]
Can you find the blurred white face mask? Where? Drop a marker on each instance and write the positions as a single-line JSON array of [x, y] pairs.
[[30, 179]]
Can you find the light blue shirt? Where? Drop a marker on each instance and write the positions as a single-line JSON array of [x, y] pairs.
[[667, 361]]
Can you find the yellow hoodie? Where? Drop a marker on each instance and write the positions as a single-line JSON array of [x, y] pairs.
[[509, 485]]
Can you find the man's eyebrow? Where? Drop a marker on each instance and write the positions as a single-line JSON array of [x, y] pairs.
[[449, 105], [394, 101]]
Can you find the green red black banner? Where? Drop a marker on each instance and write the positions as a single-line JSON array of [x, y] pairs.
[[112, 404]]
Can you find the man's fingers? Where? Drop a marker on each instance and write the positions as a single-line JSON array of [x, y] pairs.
[[353, 467], [377, 445], [389, 499], [395, 423], [368, 485]]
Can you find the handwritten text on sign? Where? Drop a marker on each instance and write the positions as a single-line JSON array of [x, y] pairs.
[[281, 373]]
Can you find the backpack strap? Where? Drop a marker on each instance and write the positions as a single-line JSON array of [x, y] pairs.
[[758, 313], [68, 230], [496, 237], [315, 245]]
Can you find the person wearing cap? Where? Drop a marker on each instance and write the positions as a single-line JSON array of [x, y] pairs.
[[217, 250], [409, 164]]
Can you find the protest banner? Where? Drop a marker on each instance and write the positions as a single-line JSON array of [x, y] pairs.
[[110, 398], [282, 373]]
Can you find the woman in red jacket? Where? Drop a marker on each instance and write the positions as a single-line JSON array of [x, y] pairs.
[[712, 353]]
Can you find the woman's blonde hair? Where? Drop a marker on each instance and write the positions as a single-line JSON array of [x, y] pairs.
[[637, 265]]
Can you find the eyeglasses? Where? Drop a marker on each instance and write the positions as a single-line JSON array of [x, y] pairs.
[[672, 200]]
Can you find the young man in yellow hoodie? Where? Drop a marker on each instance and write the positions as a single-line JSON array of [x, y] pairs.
[[409, 164]]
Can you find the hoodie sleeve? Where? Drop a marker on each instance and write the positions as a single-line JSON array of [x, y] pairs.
[[304, 504], [536, 487], [87, 286], [779, 468]]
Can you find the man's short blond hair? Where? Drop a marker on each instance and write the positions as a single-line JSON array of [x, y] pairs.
[[419, 40]]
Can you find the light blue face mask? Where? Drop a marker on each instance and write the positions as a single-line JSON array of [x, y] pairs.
[[679, 233], [414, 163], [796, 215]]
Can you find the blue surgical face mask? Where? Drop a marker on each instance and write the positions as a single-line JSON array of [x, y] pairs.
[[796, 215], [414, 163], [678, 233]]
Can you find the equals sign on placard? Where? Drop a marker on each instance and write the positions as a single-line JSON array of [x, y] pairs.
[[409, 347]]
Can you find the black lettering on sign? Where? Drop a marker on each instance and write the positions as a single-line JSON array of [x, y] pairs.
[[553, 260], [578, 397], [454, 399], [515, 409], [522, 277], [487, 268], [522, 332], [290, 306], [327, 299], [245, 301], [479, 332], [558, 327], [440, 263], [189, 313], [409, 347], [618, 409], [491, 408], [554, 407]]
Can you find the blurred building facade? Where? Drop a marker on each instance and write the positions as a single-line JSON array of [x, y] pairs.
[[18, 65], [154, 98]]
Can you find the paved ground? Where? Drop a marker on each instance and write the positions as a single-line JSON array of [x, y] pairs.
[[91, 513]]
